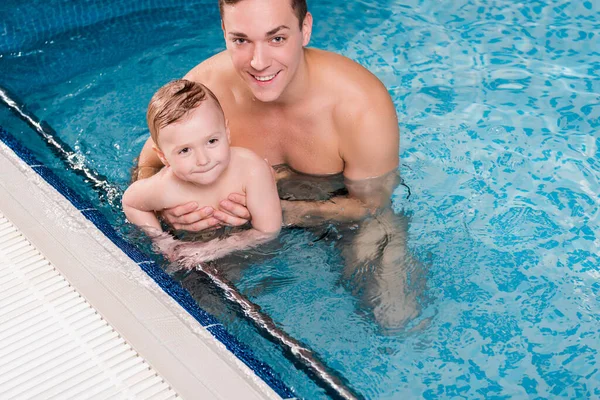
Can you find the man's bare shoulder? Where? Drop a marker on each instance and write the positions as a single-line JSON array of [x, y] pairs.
[[210, 69], [358, 91], [218, 74], [345, 74]]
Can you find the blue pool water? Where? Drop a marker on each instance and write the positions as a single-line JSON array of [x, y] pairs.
[[499, 110]]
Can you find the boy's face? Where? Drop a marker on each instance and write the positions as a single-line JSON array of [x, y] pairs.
[[197, 146], [265, 43]]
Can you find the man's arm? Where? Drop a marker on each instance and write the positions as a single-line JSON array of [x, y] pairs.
[[365, 197], [369, 146]]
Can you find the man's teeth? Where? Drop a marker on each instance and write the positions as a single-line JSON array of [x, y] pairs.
[[264, 78]]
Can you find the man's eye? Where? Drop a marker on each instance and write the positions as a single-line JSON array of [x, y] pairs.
[[278, 39], [239, 41]]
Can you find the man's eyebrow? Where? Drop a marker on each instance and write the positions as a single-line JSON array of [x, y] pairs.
[[271, 32], [274, 31]]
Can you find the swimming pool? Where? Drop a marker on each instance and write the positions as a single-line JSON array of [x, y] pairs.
[[499, 110]]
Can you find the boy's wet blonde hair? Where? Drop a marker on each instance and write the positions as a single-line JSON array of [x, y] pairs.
[[173, 101]]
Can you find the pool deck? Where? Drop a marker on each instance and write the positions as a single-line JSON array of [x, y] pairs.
[[63, 285]]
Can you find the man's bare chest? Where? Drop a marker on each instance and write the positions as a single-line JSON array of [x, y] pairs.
[[309, 144]]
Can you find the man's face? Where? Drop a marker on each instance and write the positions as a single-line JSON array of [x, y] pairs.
[[197, 146], [266, 43]]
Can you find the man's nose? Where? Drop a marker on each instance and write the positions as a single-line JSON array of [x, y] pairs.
[[260, 58]]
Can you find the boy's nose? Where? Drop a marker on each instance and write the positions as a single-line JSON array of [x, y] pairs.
[[260, 58], [201, 158]]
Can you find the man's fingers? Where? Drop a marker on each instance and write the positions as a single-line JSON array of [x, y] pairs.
[[228, 219], [189, 217], [182, 209], [237, 198], [235, 209], [198, 225]]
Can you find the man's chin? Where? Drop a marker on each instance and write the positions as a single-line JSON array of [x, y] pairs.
[[266, 94], [266, 97]]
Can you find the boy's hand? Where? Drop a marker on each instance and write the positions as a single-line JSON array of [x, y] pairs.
[[189, 218], [233, 211]]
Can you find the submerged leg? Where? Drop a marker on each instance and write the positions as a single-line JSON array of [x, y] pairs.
[[380, 270]]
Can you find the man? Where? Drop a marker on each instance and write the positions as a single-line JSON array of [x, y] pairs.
[[315, 111]]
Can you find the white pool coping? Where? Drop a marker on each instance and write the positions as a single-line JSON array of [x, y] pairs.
[[184, 354]]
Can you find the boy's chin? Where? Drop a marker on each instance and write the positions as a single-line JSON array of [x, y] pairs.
[[205, 179]]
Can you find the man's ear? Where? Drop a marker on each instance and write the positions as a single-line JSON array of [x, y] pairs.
[[160, 155], [223, 29], [306, 29]]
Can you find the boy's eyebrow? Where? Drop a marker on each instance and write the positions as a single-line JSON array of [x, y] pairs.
[[271, 32]]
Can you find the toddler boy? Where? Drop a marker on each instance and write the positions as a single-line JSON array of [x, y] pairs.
[[191, 138]]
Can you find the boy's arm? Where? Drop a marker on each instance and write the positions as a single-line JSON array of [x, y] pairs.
[[262, 199], [139, 202]]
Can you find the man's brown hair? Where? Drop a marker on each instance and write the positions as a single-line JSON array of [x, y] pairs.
[[299, 7], [173, 101]]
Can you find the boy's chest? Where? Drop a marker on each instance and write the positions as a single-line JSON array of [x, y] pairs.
[[205, 196]]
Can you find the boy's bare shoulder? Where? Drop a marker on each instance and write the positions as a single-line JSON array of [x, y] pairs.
[[247, 159], [161, 182], [245, 155]]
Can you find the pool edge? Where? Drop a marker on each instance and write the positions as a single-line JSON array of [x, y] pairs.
[[48, 219]]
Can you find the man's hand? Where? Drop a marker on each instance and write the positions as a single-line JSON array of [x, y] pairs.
[[189, 218], [298, 213], [232, 211], [312, 213]]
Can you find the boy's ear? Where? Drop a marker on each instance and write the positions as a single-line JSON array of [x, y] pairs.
[[160, 155], [228, 132]]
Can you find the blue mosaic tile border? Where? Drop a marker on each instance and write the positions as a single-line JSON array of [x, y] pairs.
[[170, 286]]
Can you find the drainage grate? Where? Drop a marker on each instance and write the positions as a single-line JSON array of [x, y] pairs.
[[53, 344]]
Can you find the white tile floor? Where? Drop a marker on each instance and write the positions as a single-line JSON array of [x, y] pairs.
[[153, 348]]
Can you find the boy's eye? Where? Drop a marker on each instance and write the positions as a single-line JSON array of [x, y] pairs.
[[213, 141], [185, 150]]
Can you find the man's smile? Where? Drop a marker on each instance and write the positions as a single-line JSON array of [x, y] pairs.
[[264, 78]]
